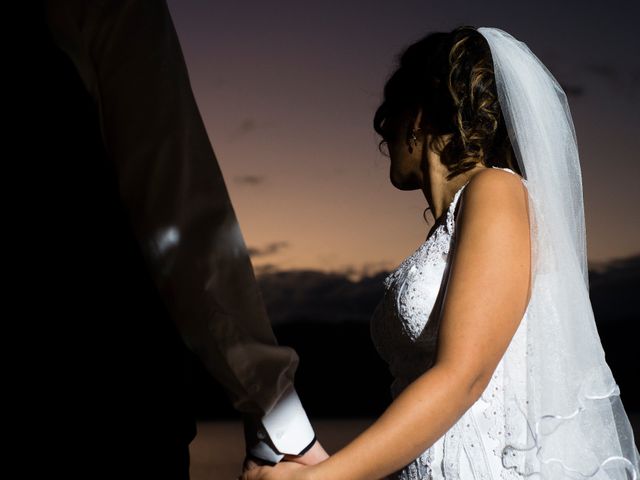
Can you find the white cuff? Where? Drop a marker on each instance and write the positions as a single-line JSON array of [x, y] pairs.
[[287, 425], [265, 452]]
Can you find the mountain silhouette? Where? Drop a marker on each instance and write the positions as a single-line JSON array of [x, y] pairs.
[[325, 317]]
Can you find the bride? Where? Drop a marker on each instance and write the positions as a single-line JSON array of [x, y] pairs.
[[487, 326]]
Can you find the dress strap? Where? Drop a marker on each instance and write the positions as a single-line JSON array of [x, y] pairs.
[[511, 171], [507, 169], [451, 212]]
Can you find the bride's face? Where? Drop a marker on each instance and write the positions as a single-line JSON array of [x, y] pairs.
[[406, 157]]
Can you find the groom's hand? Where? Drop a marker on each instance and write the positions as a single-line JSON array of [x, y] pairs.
[[314, 455]]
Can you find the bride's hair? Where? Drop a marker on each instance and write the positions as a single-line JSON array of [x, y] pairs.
[[450, 77]]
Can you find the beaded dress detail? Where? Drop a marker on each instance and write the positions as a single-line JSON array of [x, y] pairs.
[[404, 329]]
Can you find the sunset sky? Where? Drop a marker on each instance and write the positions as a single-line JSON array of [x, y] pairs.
[[287, 91]]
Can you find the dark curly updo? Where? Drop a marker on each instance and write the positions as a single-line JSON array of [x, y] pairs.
[[450, 77]]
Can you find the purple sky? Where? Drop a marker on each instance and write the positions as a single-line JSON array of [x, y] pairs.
[[288, 89]]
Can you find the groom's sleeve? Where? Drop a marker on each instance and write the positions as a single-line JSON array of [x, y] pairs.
[[283, 430], [129, 57]]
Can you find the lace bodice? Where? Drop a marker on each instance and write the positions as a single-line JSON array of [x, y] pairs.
[[404, 329]]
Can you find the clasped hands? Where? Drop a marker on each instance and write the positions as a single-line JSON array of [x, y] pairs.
[[291, 467]]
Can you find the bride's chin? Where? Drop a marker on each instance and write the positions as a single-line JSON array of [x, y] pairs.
[[404, 183]]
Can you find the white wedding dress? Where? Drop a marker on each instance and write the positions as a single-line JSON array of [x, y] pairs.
[[404, 329]]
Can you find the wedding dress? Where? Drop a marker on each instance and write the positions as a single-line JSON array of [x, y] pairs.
[[552, 409], [404, 329]]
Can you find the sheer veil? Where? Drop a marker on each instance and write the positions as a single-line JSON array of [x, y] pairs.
[[564, 417]]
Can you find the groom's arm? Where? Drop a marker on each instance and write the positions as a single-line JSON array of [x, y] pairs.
[[128, 54]]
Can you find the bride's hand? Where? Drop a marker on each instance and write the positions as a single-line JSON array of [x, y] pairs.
[[285, 470]]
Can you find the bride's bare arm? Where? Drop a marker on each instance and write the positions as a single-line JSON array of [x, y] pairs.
[[487, 294]]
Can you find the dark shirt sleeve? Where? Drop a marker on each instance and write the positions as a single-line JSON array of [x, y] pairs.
[[129, 57]]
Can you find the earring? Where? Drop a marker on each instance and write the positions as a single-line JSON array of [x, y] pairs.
[[411, 137]]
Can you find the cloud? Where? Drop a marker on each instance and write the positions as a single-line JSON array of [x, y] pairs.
[[250, 179], [605, 71], [572, 90], [270, 249], [620, 80], [247, 125]]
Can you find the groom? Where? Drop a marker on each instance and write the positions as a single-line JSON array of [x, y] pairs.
[[148, 266]]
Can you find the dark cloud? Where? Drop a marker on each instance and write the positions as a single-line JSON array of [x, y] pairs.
[[572, 90], [270, 249], [250, 179], [247, 126], [605, 71], [617, 79], [620, 80]]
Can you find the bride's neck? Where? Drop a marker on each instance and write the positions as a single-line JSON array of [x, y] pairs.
[[439, 191]]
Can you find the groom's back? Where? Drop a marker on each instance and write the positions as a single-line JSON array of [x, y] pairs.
[[114, 363]]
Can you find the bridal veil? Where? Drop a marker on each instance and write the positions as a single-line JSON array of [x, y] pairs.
[[575, 425]]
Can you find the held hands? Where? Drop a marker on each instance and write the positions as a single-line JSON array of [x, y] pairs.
[[291, 467], [314, 455], [285, 470]]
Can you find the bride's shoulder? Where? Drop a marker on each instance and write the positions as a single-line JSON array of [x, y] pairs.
[[493, 194], [496, 174], [492, 187]]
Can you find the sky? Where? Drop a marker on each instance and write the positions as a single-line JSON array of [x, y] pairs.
[[287, 92]]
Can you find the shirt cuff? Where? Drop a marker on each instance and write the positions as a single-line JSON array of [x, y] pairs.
[[284, 430]]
